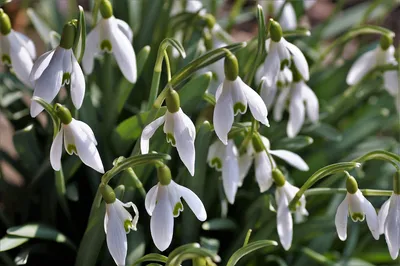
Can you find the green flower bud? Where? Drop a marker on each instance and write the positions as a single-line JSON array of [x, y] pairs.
[[396, 183], [5, 23], [63, 113], [164, 175], [278, 177], [107, 193], [257, 143], [385, 42], [68, 35], [173, 101], [106, 9], [275, 30], [231, 66], [351, 184]]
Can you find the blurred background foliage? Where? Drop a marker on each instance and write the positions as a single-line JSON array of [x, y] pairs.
[[353, 122]]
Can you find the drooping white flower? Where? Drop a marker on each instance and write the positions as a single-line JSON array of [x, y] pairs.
[[51, 71], [114, 36], [302, 101], [264, 163], [163, 203], [283, 195], [359, 208], [78, 138], [117, 224], [180, 132], [389, 217], [232, 98], [17, 52], [224, 158]]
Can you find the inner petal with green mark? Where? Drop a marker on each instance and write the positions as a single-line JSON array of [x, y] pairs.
[[128, 225], [106, 46], [357, 217], [72, 149], [217, 163], [171, 139], [239, 108], [6, 60], [66, 79], [178, 208]]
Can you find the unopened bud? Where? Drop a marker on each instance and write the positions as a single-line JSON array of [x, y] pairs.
[[63, 113]]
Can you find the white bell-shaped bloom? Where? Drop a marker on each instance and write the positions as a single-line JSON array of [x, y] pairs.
[[232, 98], [114, 36], [359, 208], [264, 163], [225, 158], [51, 71], [288, 20], [180, 132], [163, 203], [302, 101], [117, 224], [18, 51], [79, 139], [389, 217], [283, 196]]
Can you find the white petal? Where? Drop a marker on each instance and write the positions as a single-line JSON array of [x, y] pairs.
[[194, 202], [356, 203], [86, 128], [148, 132], [86, 148], [77, 84], [263, 171], [259, 74], [125, 29], [223, 115], [272, 65], [268, 94], [27, 43], [56, 151], [309, 3], [244, 161], [391, 82], [216, 151], [69, 139], [281, 104], [183, 134], [291, 158], [288, 19], [341, 219], [383, 212], [284, 222], [151, 199], [312, 106], [372, 219], [296, 112], [256, 104], [392, 229], [237, 93], [40, 65], [299, 60], [67, 61], [116, 236], [49, 83], [360, 67], [230, 177], [125, 215], [162, 221], [20, 59], [92, 47], [124, 54]]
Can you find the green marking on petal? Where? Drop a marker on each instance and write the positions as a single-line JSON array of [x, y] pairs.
[[171, 139], [239, 108], [128, 225], [106, 46], [284, 63], [6, 60], [217, 163], [66, 78], [178, 207], [357, 217], [72, 149]]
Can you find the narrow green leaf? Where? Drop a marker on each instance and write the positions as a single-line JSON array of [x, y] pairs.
[[54, 38], [324, 130], [151, 257], [293, 144], [26, 144], [193, 91], [40, 26], [10, 242], [219, 224], [240, 253], [40, 231], [80, 39], [176, 259]]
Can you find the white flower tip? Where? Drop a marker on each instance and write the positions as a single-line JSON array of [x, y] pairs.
[[342, 237], [358, 165], [286, 246], [375, 234], [35, 109]]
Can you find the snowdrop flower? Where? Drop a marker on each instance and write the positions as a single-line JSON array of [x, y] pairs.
[[302, 101], [284, 193], [17, 51], [179, 130], [280, 53], [114, 36], [163, 203], [78, 138], [57, 68], [225, 158], [117, 224], [232, 98], [260, 150], [358, 207]]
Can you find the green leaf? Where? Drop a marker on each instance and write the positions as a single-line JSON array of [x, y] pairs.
[[54, 38], [41, 27], [240, 253], [219, 224], [26, 144], [40, 231], [136, 246], [151, 257], [192, 91], [293, 144], [176, 258], [80, 38], [10, 242], [324, 130]]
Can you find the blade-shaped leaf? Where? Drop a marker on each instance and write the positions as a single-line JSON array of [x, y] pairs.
[[80, 38], [240, 253], [9, 242]]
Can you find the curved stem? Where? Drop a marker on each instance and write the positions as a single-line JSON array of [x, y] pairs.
[[366, 192]]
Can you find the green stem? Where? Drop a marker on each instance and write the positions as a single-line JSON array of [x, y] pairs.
[[137, 182], [247, 239], [370, 9], [366, 192], [168, 65]]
